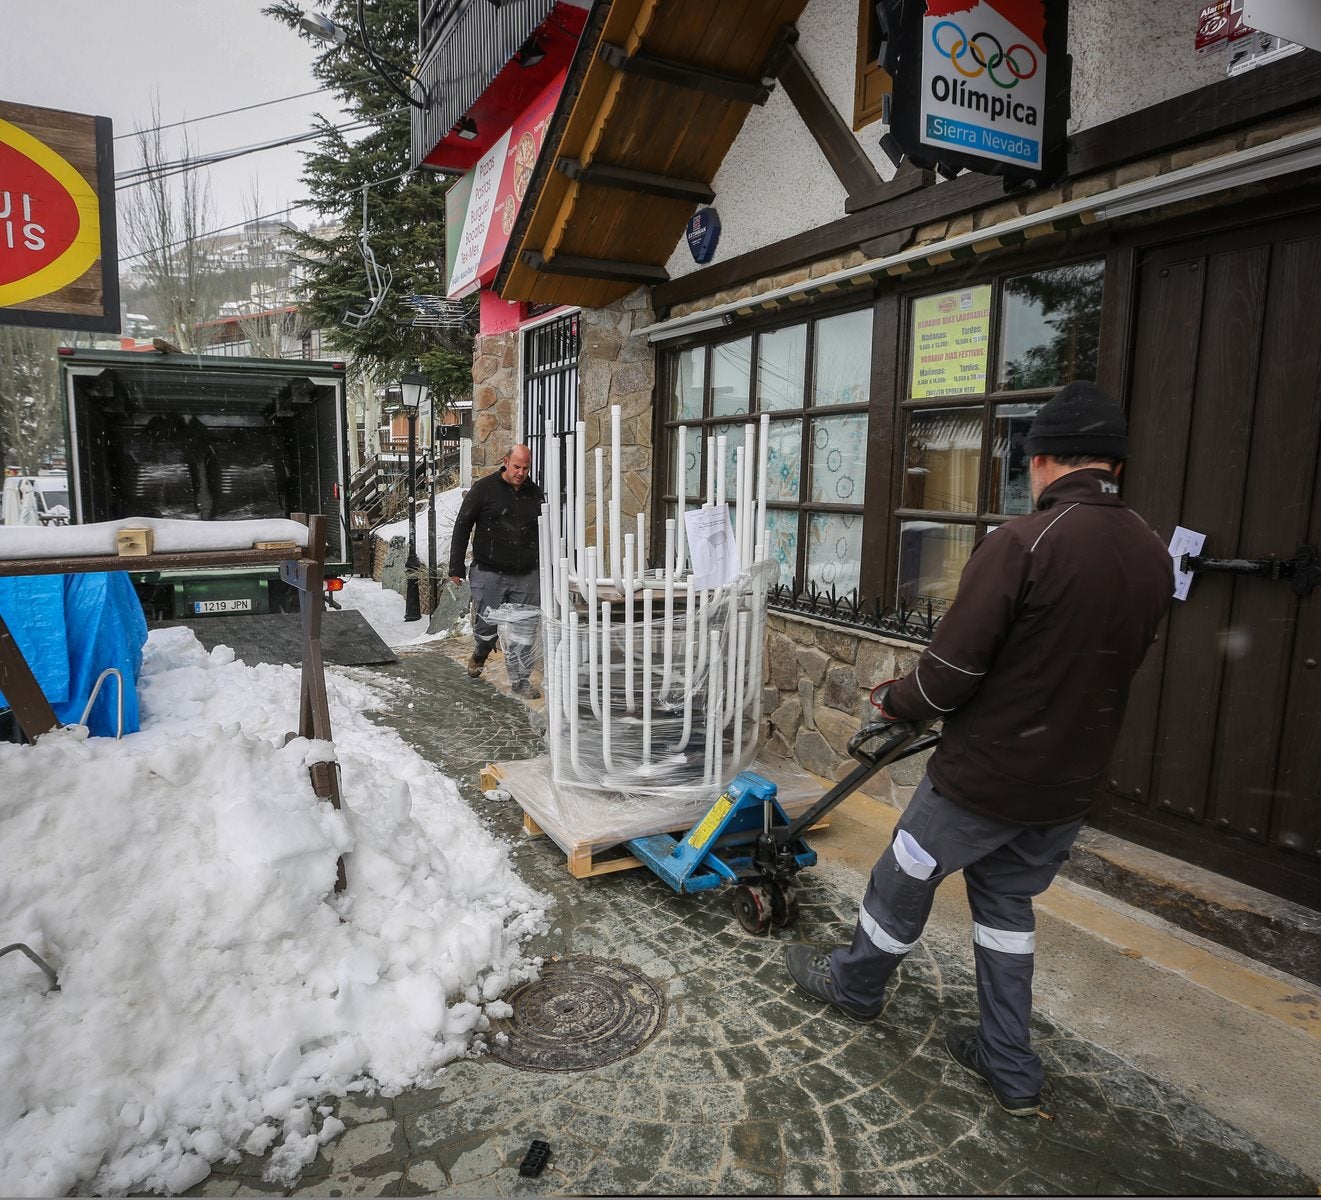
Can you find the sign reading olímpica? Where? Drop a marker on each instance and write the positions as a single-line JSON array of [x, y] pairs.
[[58, 264], [981, 84]]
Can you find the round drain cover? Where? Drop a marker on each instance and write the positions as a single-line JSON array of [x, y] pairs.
[[582, 1013]]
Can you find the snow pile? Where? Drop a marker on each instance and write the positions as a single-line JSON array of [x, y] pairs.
[[383, 610], [168, 536], [448, 504], [212, 986]]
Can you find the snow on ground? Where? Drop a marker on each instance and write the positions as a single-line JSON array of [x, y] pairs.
[[383, 610], [447, 510], [212, 986]]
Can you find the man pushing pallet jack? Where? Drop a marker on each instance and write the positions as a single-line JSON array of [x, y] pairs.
[[1029, 672]]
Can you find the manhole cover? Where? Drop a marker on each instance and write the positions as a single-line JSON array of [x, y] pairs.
[[582, 1013]]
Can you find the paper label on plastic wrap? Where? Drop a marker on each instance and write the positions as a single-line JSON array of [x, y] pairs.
[[710, 823], [711, 544]]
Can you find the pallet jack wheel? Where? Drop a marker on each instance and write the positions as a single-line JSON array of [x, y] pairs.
[[752, 907], [784, 902]]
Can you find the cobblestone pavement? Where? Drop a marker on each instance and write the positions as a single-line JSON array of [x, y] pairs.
[[748, 1087]]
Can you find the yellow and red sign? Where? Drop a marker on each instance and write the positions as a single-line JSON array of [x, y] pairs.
[[57, 264]]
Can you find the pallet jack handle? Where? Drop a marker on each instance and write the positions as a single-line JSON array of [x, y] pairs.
[[901, 739]]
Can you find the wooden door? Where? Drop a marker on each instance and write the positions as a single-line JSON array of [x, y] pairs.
[[1220, 759]]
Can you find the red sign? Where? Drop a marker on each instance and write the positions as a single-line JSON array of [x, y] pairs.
[[1220, 24], [51, 220], [484, 211]]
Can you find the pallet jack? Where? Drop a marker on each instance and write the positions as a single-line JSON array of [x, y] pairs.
[[747, 839]]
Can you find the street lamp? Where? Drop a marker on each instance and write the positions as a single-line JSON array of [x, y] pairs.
[[412, 388], [321, 27]]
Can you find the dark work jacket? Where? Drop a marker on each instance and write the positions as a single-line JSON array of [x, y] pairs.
[[506, 521], [1030, 667]]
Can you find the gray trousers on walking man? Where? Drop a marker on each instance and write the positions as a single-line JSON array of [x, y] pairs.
[[490, 589], [1003, 867]]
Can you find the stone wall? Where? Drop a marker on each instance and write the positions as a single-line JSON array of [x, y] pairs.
[[494, 400], [818, 679], [618, 367]]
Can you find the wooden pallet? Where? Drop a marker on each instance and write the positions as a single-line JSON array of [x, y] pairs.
[[587, 857]]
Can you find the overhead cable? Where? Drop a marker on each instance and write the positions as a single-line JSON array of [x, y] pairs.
[[139, 175], [227, 112]]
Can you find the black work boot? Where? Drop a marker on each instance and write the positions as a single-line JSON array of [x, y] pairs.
[[477, 661], [809, 968], [961, 1042]]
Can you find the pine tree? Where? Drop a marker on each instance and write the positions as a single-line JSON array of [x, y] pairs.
[[405, 213]]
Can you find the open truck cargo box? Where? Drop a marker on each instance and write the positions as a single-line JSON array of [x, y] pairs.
[[209, 438]]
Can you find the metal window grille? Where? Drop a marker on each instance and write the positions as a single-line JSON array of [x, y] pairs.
[[550, 386]]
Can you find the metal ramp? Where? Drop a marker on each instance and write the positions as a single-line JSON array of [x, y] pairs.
[[347, 640]]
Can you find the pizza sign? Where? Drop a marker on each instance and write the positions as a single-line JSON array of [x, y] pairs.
[[481, 208], [52, 224]]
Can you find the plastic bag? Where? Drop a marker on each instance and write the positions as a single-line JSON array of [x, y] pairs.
[[518, 627]]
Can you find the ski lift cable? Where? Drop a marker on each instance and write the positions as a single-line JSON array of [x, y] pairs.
[[212, 232], [137, 175], [119, 137], [247, 221]]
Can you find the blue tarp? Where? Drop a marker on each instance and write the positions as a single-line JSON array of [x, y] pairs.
[[70, 629]]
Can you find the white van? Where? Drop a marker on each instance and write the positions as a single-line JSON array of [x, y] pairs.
[[45, 497]]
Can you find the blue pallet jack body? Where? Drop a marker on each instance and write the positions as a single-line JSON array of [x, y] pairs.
[[719, 848], [747, 839]]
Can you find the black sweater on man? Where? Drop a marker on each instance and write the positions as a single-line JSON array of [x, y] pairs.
[[1031, 666], [506, 521]]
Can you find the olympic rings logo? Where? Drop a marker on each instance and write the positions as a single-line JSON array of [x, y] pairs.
[[988, 61]]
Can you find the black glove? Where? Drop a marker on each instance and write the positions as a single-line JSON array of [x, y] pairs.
[[879, 695]]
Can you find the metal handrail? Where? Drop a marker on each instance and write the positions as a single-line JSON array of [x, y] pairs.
[[119, 710], [36, 958]]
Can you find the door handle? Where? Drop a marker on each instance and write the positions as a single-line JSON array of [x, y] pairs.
[[1303, 570]]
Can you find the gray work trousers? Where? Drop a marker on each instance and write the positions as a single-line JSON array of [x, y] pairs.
[[1003, 867], [490, 589]]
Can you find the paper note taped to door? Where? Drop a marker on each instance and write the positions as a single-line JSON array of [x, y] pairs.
[[711, 543], [1184, 541]]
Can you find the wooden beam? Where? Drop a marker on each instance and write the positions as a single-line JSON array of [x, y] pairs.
[[22, 692], [1215, 109], [907, 179], [831, 132], [926, 204], [628, 180], [595, 268], [686, 75]]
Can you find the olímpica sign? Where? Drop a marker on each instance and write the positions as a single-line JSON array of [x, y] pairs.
[[981, 85]]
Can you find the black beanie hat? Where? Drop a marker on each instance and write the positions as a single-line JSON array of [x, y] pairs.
[[1079, 419]]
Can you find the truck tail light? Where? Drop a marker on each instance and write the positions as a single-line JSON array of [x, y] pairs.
[[334, 584]]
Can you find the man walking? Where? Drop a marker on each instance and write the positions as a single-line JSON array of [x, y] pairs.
[[1030, 671], [504, 507]]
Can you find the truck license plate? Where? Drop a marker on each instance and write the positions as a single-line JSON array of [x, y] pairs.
[[222, 606]]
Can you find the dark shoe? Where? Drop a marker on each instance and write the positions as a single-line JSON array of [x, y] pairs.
[[525, 687], [961, 1042], [475, 665], [809, 968]]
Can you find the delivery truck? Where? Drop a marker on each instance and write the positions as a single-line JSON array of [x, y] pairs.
[[207, 438]]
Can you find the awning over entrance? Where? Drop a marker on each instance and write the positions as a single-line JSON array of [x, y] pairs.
[[660, 90]]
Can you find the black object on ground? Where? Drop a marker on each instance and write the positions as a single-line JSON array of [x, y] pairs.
[[534, 1161]]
